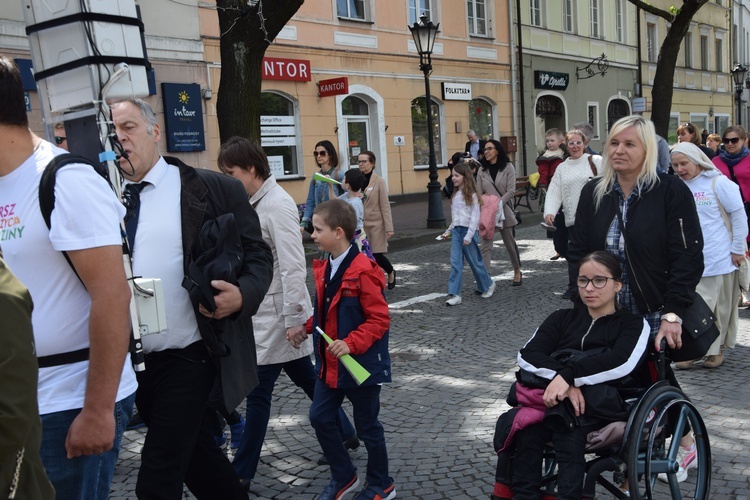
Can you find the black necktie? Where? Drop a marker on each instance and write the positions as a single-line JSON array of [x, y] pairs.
[[132, 198]]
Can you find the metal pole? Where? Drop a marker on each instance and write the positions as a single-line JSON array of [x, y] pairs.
[[435, 216], [738, 98]]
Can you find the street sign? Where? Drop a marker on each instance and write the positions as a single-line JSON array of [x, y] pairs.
[[638, 104]]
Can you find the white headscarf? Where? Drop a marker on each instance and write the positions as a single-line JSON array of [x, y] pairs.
[[693, 154]]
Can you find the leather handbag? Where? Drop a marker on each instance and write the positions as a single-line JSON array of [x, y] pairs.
[[699, 331]]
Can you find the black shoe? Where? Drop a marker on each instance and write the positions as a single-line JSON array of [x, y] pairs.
[[352, 443], [392, 284], [135, 422], [245, 484], [322, 460]]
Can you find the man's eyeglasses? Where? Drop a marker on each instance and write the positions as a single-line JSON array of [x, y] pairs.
[[598, 281], [730, 140], [575, 143], [60, 140], [362, 162], [320, 153]]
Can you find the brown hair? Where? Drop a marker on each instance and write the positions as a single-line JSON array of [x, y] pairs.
[[469, 187], [692, 130], [338, 213], [605, 259], [13, 108], [737, 129], [242, 153]]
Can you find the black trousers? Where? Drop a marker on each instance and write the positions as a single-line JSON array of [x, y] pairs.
[[383, 262], [179, 446]]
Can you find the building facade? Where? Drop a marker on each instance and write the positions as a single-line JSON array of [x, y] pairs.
[[579, 64]]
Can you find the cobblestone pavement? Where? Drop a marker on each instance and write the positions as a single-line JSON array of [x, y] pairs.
[[452, 368]]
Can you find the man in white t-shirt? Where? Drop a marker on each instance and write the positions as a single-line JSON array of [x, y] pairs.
[[81, 326]]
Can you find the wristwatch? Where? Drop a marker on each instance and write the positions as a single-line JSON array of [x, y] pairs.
[[672, 318]]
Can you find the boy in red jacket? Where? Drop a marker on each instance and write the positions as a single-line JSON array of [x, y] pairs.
[[351, 309]]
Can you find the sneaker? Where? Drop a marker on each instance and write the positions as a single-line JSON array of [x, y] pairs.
[[374, 493], [684, 365], [337, 490], [489, 292], [688, 459], [221, 441], [714, 361], [236, 431], [454, 300]]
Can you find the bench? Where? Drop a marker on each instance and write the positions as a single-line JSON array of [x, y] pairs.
[[521, 196]]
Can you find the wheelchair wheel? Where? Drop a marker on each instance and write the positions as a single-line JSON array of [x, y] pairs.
[[661, 418]]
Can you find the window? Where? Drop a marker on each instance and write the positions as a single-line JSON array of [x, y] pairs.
[[620, 21], [569, 16], [721, 122], [719, 55], [536, 12], [356, 112], [592, 116], [417, 8], [351, 9], [279, 134], [419, 131], [651, 42], [688, 50], [674, 122], [704, 53], [480, 118], [477, 17], [595, 19]]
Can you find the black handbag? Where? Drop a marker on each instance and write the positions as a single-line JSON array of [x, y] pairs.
[[699, 331]]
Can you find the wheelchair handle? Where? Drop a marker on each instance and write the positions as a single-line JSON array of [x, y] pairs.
[[661, 357]]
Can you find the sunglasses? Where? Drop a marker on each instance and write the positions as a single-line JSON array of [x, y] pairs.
[[730, 140], [60, 140], [320, 153], [689, 127]]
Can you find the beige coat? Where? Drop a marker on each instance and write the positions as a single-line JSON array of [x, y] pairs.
[[378, 220], [287, 302], [504, 186]]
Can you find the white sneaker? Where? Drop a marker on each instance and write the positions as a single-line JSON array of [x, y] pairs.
[[489, 292], [454, 300], [688, 459]]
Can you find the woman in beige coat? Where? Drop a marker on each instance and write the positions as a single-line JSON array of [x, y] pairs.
[[498, 177], [378, 221]]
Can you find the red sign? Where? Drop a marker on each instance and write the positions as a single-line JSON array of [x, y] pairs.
[[334, 86], [294, 70]]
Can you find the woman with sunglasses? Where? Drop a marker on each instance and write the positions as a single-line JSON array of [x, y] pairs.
[[734, 161], [570, 364], [497, 176], [687, 132], [319, 191], [564, 190]]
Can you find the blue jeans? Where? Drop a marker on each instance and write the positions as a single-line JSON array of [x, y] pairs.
[[366, 403], [302, 373], [473, 256], [86, 477]]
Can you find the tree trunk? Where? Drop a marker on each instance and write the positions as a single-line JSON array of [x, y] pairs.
[[246, 33]]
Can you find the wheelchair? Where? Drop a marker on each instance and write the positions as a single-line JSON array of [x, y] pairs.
[[645, 446]]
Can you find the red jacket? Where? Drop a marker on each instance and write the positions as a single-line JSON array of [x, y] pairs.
[[358, 315], [546, 168]]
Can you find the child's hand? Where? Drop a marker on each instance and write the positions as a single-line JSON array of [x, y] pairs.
[[467, 243], [296, 335], [338, 348]]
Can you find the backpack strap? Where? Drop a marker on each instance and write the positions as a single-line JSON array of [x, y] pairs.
[[46, 205]]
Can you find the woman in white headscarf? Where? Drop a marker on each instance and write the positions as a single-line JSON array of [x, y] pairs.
[[724, 225]]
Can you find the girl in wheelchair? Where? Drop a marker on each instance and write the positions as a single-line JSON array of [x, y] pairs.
[[572, 373]]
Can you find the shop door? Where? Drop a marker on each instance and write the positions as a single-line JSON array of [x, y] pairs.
[[358, 138]]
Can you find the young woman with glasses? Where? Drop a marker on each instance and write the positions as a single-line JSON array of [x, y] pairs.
[[319, 191]]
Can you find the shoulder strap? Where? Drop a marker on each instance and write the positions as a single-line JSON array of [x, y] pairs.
[[721, 208], [47, 188], [593, 167]]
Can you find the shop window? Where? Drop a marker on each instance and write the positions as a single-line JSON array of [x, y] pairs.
[[480, 118], [279, 134], [477, 10], [419, 131]]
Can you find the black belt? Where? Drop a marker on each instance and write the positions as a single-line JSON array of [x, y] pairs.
[[64, 358]]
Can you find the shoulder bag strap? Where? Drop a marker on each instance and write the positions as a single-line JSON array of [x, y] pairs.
[[593, 168], [734, 179], [721, 208]]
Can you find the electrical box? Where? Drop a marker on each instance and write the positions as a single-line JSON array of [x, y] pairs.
[[509, 143], [75, 46], [149, 300]]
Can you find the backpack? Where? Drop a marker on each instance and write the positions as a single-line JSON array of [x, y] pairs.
[[46, 205]]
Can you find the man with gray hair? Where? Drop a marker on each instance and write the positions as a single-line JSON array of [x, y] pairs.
[[172, 207], [475, 145]]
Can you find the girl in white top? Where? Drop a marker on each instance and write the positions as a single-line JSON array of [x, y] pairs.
[[724, 225], [463, 231]]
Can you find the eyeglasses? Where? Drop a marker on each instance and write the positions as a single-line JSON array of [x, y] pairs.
[[575, 143], [598, 281], [732, 140], [320, 153], [489, 148], [60, 140], [362, 162]]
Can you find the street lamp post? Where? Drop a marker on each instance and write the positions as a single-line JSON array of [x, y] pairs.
[[738, 75], [424, 33]]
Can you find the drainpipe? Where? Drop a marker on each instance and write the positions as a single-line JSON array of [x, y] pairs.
[[513, 72], [521, 87]]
